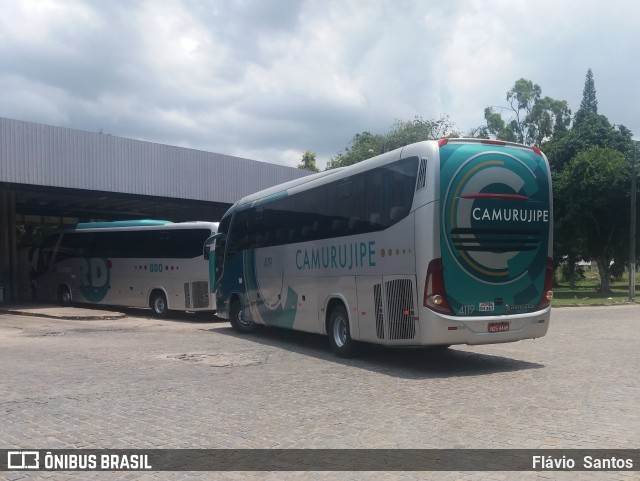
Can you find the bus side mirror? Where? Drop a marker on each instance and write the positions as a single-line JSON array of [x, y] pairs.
[[209, 245]]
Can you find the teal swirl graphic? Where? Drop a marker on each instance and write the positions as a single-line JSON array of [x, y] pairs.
[[281, 315], [95, 286], [493, 215]]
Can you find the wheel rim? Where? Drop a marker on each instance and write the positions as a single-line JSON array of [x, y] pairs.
[[340, 331], [159, 305], [240, 317]]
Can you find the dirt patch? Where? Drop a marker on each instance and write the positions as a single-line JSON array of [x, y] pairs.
[[228, 360]]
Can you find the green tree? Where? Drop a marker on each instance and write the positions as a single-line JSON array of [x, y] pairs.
[[589, 102], [593, 130], [416, 130], [569, 239], [480, 132], [572, 241], [549, 118], [594, 185], [365, 144], [497, 127], [532, 118], [308, 161]]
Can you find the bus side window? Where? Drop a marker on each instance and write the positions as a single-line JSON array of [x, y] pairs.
[[395, 214], [339, 227], [68, 246], [305, 233]]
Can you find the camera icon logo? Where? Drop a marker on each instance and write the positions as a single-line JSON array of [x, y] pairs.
[[23, 460]]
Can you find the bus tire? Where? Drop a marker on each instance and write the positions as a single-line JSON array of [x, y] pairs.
[[64, 296], [339, 333], [238, 321], [158, 304]]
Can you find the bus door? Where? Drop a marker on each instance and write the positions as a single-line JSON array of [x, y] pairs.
[[43, 277], [213, 251]]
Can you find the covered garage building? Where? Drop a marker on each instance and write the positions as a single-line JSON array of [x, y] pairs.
[[53, 176]]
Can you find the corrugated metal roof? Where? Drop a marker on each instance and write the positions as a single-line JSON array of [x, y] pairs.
[[44, 155]]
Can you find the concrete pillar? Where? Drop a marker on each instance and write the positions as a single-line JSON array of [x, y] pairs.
[[8, 246], [5, 254], [13, 246]]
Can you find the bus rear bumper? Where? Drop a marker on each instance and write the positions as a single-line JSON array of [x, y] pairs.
[[485, 330]]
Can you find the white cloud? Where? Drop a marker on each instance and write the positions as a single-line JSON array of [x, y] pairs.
[[475, 56], [269, 79], [51, 24], [22, 98]]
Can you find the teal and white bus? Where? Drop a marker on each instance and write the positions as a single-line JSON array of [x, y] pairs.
[[141, 263], [437, 243]]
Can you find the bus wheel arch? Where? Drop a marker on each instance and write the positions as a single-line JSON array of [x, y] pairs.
[[64, 295], [238, 318], [338, 327], [158, 303]]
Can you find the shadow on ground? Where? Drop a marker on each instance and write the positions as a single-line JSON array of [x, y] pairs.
[[409, 363]]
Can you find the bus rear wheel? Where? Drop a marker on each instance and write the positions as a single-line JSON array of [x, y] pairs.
[[339, 333], [158, 304], [239, 321]]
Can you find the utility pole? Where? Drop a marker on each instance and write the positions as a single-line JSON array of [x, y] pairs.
[[632, 229]]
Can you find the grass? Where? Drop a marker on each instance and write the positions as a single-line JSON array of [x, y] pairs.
[[586, 293]]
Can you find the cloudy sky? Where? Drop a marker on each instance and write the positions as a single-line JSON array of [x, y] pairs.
[[267, 79]]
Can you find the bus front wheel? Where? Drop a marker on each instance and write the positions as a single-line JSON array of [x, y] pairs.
[[158, 304], [339, 333], [64, 296], [239, 320]]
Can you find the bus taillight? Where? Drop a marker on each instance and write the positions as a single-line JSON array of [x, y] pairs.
[[547, 293], [435, 297]]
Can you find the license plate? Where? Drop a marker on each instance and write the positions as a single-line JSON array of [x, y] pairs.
[[498, 327]]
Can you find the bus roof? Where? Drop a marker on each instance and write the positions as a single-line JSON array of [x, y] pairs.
[[281, 189], [315, 180], [120, 223], [425, 147], [145, 224], [502, 143]]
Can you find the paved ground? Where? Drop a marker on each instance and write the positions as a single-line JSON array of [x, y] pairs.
[[56, 312], [191, 382]]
